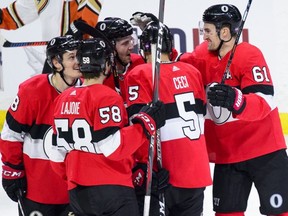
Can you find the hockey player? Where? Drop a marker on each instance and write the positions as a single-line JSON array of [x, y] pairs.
[[26, 174], [120, 33], [56, 16], [242, 130], [90, 124], [184, 151]]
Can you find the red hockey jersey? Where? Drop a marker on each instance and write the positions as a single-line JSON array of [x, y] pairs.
[[90, 121], [24, 139], [184, 151], [257, 130]]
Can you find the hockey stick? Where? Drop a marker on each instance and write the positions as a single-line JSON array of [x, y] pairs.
[[8, 44], [236, 42], [24, 44], [156, 93], [87, 29], [156, 61], [20, 202]]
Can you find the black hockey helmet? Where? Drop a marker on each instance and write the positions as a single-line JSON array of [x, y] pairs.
[[149, 36], [93, 54], [114, 28], [222, 15], [59, 45]]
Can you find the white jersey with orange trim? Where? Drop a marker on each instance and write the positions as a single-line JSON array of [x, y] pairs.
[[55, 15]]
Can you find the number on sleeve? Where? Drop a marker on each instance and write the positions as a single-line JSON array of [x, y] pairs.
[[133, 92], [260, 75], [14, 105]]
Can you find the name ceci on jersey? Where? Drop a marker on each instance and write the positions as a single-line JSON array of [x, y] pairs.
[[70, 108], [180, 82]]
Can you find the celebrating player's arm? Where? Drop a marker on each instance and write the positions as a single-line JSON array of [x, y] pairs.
[[108, 135], [256, 92], [22, 12], [88, 11]]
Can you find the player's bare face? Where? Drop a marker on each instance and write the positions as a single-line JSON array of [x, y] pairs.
[[71, 65], [211, 36], [124, 47]]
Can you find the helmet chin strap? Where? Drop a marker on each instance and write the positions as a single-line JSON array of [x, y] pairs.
[[221, 42], [61, 72]]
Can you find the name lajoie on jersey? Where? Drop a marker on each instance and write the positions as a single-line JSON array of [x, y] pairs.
[[70, 108]]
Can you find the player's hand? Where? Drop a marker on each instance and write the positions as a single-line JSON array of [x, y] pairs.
[[151, 117], [141, 19], [139, 178], [14, 182], [160, 180], [228, 97]]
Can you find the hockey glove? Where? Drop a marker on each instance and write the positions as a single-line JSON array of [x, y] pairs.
[[142, 19], [14, 182], [160, 180], [139, 178], [227, 97], [74, 31], [151, 117]]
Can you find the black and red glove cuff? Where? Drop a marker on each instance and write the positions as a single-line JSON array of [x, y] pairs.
[[146, 121], [11, 173]]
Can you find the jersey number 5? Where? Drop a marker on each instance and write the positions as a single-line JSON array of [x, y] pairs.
[[192, 130]]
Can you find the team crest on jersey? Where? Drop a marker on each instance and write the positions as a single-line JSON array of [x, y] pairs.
[[36, 213], [218, 114], [228, 75]]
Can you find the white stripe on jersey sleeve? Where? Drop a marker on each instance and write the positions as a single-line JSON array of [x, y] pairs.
[[269, 99], [108, 145], [10, 135]]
